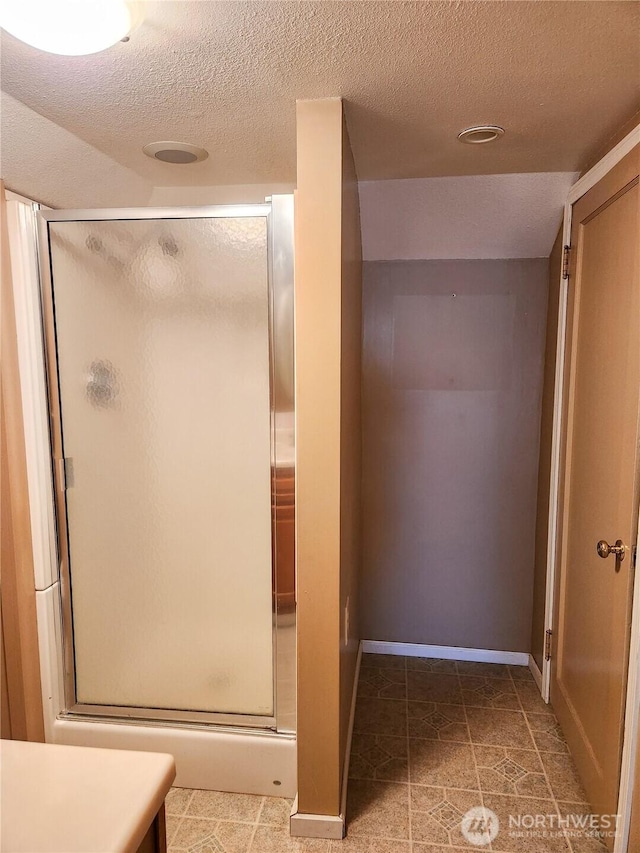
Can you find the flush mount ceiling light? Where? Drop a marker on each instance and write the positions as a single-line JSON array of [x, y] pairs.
[[480, 134], [175, 152], [69, 27]]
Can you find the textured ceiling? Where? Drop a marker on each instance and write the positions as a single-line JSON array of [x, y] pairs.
[[560, 76], [473, 216], [46, 163]]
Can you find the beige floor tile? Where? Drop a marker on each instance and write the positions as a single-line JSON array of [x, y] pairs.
[[173, 822], [546, 838], [520, 673], [582, 840], [483, 692], [489, 756], [432, 665], [234, 837], [489, 670], [504, 701], [274, 839], [425, 827], [550, 743], [275, 811], [427, 798], [362, 844], [481, 707], [437, 721], [437, 848], [573, 807], [531, 784], [544, 723], [495, 727], [384, 661], [381, 716], [434, 687], [530, 698], [379, 757], [587, 844], [193, 830], [223, 806], [177, 800], [515, 772], [383, 683], [563, 777], [449, 765], [494, 781], [436, 814], [547, 733], [378, 809]]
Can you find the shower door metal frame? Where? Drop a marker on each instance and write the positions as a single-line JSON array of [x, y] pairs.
[[278, 213]]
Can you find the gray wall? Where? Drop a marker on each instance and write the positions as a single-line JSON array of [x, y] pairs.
[[452, 380]]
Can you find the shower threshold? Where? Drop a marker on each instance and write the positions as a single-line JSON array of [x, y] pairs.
[[163, 716], [212, 757]]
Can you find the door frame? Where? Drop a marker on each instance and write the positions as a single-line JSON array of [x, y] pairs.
[[45, 219], [28, 221], [632, 707]]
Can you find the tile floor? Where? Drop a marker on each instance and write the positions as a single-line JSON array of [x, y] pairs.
[[432, 739]]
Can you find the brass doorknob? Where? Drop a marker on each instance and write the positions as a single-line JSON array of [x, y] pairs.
[[604, 549]]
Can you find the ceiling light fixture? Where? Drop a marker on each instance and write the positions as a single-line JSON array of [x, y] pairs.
[[69, 27], [480, 134], [180, 153]]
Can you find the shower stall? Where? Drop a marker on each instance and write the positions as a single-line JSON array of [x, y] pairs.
[[169, 367]]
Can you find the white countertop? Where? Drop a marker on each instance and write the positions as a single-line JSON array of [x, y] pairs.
[[75, 799]]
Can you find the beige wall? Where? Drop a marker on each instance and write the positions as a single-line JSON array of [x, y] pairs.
[[452, 378], [229, 194], [351, 435], [327, 404], [544, 467], [22, 701]]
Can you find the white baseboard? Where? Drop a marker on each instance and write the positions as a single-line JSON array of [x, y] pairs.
[[303, 825], [330, 826], [418, 650], [535, 672]]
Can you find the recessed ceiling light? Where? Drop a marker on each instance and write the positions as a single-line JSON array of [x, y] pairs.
[[69, 27], [480, 134], [175, 152]]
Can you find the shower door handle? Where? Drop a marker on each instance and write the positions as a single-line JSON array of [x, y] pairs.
[[67, 478]]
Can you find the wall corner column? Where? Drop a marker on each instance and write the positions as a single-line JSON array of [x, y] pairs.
[[328, 340]]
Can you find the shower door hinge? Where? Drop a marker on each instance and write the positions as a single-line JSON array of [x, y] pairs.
[[547, 644], [566, 259]]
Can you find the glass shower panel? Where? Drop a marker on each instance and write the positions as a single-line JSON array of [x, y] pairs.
[[162, 335]]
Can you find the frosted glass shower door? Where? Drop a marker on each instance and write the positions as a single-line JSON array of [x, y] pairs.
[[163, 366]]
